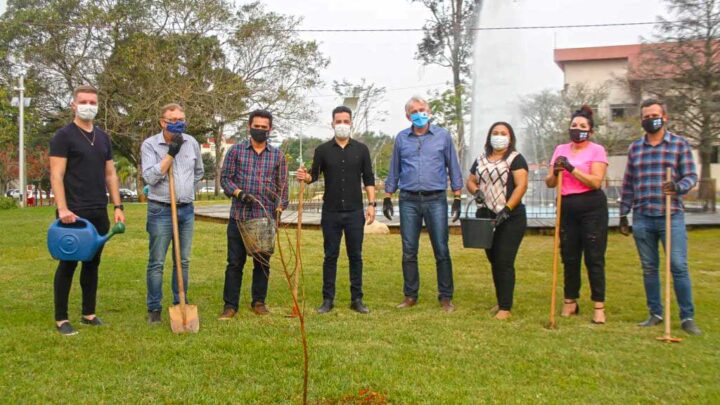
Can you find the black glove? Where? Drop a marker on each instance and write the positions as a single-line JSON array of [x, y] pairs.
[[245, 198], [562, 163], [387, 208], [175, 144], [669, 187], [479, 197], [455, 211], [502, 216], [624, 226]]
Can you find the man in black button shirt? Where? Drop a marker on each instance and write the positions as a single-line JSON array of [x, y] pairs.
[[343, 162], [81, 169]]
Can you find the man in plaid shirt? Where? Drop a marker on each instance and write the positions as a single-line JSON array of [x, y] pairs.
[[254, 174], [644, 190]]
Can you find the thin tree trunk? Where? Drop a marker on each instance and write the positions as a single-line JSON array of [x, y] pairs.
[[218, 156], [139, 183]]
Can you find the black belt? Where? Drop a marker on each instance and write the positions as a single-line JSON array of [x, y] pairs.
[[424, 193], [168, 204]]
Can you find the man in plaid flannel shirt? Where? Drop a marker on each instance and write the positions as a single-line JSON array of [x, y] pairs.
[[643, 191], [254, 174]]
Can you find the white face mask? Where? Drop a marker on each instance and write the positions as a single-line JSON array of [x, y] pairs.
[[342, 131], [499, 142], [86, 112]]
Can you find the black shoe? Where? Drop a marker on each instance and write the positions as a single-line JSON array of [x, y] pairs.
[[691, 327], [93, 322], [154, 317], [651, 321], [358, 306], [66, 329], [326, 306]]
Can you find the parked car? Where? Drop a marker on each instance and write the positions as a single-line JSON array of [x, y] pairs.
[[14, 193], [208, 190], [127, 194]]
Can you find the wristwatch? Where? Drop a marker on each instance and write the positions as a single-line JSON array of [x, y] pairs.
[[120, 207], [372, 204]]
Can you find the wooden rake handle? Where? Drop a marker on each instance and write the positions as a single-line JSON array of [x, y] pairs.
[[556, 250]]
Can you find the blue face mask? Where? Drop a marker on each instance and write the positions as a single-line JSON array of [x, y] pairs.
[[420, 119], [176, 127]]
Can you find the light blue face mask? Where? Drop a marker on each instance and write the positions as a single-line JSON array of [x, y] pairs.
[[420, 119]]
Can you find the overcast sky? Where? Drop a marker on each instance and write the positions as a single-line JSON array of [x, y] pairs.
[[387, 59]]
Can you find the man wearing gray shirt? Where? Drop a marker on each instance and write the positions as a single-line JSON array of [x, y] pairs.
[[171, 147]]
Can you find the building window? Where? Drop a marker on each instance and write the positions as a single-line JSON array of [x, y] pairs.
[[621, 112], [715, 157]]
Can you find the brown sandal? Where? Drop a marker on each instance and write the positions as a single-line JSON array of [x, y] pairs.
[[601, 308], [567, 314]]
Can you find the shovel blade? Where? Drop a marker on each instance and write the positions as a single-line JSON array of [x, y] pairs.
[[184, 319]]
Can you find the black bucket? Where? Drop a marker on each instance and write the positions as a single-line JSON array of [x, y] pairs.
[[477, 233]]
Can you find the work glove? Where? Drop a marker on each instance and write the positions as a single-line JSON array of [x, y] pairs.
[[624, 225], [562, 163], [175, 144], [669, 187], [455, 211], [245, 198], [479, 197], [387, 208], [502, 216]]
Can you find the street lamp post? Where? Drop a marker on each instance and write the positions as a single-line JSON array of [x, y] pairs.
[[21, 140]]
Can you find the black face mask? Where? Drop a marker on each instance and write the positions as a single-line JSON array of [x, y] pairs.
[[578, 135], [652, 125], [259, 135]]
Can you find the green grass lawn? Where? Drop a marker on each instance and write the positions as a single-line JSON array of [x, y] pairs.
[[420, 355]]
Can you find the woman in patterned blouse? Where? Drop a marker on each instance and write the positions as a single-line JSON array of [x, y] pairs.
[[498, 180]]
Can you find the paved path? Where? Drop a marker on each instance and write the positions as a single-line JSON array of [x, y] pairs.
[[311, 219]]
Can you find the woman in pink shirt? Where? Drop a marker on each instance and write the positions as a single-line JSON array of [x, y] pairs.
[[584, 222]]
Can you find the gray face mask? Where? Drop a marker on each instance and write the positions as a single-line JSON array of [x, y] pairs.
[[86, 112]]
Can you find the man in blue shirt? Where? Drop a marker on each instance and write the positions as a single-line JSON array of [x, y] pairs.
[[171, 147], [423, 158]]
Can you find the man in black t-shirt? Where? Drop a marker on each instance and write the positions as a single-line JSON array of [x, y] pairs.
[[343, 162], [81, 169]]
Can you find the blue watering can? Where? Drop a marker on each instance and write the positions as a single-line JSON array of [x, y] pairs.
[[78, 241]]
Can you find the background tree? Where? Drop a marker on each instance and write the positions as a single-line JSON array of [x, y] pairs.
[[209, 165], [367, 112], [448, 42], [683, 69], [444, 107], [38, 168], [380, 146], [291, 147], [216, 59], [8, 165], [546, 119], [126, 171]]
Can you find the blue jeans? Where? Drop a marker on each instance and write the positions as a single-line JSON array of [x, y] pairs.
[[647, 231], [434, 210], [159, 226]]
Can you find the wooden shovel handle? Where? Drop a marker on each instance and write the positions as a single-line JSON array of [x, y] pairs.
[[176, 242]]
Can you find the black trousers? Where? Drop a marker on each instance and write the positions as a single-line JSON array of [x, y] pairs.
[[583, 231], [334, 224], [89, 274], [506, 242], [236, 258]]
